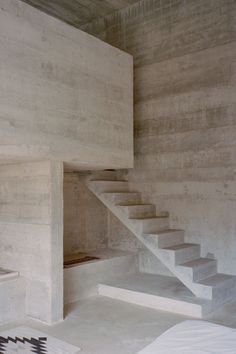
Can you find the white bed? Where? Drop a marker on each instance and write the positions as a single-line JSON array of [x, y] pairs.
[[194, 337]]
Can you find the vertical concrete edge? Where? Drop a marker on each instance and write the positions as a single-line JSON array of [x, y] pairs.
[[56, 175]]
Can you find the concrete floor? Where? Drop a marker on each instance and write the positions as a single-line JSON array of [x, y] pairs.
[[99, 325]]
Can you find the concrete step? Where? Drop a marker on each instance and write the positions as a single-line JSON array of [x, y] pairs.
[[104, 175], [181, 253], [220, 288], [157, 292], [149, 225], [199, 269], [101, 186], [166, 238], [139, 210], [121, 198]]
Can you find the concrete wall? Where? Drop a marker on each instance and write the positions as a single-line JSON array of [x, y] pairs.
[[88, 224], [119, 237], [185, 113], [79, 12], [31, 233], [65, 95], [85, 218]]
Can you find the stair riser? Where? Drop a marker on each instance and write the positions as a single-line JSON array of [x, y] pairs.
[[224, 293], [199, 273], [171, 239], [124, 199], [104, 175], [219, 293], [161, 241], [141, 211], [187, 254], [109, 186], [150, 225], [181, 256], [205, 272], [153, 225], [203, 291]]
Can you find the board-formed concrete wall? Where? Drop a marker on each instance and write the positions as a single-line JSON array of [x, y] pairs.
[[185, 113], [64, 95], [31, 233], [85, 217]]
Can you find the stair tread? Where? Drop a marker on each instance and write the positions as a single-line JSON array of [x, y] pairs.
[[149, 218], [117, 192], [163, 232], [197, 262], [216, 279], [137, 205], [181, 246], [108, 181]]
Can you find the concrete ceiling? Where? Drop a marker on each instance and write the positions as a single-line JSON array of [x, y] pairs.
[[79, 12]]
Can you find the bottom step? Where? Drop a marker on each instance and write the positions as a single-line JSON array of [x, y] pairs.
[[158, 292]]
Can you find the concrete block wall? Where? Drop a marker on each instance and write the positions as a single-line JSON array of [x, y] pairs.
[[65, 95], [31, 233], [185, 113]]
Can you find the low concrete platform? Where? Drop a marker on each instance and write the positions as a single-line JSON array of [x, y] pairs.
[[156, 291], [81, 281]]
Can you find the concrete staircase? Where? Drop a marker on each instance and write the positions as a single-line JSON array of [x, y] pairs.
[[184, 260]]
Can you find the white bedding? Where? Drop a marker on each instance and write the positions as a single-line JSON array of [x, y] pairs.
[[194, 337]]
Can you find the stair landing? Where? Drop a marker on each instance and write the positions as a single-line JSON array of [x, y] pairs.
[[158, 292]]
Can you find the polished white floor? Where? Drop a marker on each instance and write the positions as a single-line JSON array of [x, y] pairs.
[[100, 325]]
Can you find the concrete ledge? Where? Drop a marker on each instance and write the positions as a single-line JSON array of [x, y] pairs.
[[81, 281]]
